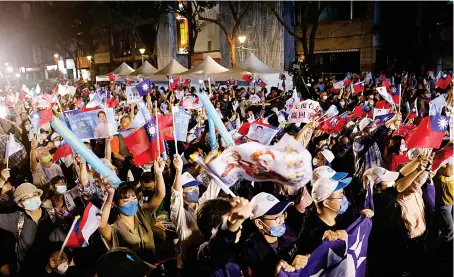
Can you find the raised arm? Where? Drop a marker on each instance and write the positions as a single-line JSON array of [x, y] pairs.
[[83, 174], [178, 163], [424, 164], [108, 149], [33, 162], [104, 227], [153, 205]]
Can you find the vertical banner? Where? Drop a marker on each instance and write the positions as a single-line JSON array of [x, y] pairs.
[[212, 131], [215, 117]]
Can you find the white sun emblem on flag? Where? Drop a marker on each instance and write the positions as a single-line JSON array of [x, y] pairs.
[[152, 130], [145, 87], [442, 123], [445, 75]]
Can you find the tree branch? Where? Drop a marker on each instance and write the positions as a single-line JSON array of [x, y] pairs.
[[286, 27], [244, 11], [232, 10], [217, 22]]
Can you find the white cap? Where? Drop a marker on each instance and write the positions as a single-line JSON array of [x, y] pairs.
[[329, 156], [364, 123], [323, 188], [266, 204], [326, 172], [54, 136], [378, 174], [188, 180]]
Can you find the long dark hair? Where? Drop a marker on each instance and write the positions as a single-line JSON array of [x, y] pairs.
[[394, 147]]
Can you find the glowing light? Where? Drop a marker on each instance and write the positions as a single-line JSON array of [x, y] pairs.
[[17, 75], [89, 58], [242, 39], [142, 51], [9, 69]]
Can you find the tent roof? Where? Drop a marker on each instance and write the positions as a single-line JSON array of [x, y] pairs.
[[123, 69], [173, 67], [207, 67], [146, 68], [254, 65]]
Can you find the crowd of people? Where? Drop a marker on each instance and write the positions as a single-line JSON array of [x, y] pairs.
[[168, 218]]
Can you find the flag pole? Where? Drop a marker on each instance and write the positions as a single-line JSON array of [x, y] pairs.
[[68, 235], [157, 126], [174, 110], [6, 153]]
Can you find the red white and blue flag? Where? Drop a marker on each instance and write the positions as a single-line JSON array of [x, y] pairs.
[[429, 133], [248, 78], [358, 87], [443, 80], [261, 83], [84, 227], [144, 87]]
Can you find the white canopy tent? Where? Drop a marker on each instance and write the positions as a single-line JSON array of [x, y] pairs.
[[172, 68], [123, 70], [145, 69], [205, 69]]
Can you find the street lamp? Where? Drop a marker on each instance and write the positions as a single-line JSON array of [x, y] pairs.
[[142, 51], [241, 48], [6, 64], [9, 69], [17, 75], [242, 39], [89, 58], [56, 56]]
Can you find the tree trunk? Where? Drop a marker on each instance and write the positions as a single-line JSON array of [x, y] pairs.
[[232, 51], [191, 39]]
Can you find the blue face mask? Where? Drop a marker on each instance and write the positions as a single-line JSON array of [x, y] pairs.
[[344, 205], [192, 196], [276, 231], [32, 204], [129, 209]]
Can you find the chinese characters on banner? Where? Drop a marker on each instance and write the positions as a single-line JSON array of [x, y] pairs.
[[304, 112]]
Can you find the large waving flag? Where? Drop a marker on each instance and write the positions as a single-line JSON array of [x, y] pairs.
[[429, 133], [62, 151], [436, 105], [358, 87], [42, 117], [384, 93], [144, 87], [443, 80], [84, 227], [341, 258]]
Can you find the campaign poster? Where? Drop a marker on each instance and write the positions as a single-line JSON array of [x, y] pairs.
[[98, 123]]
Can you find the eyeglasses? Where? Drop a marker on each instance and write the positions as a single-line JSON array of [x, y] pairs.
[[282, 216]]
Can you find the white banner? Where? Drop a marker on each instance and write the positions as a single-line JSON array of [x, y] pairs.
[[286, 162], [304, 111]]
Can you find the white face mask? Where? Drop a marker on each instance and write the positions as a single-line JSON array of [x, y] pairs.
[[61, 189], [403, 148], [324, 97], [57, 143]]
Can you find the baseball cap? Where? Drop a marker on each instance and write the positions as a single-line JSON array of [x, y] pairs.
[[122, 262], [326, 172], [266, 204], [323, 188], [188, 180], [378, 174], [54, 136], [329, 156], [364, 123]]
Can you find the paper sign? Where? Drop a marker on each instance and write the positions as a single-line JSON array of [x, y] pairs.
[[93, 124], [304, 111], [181, 121], [132, 95], [262, 134]]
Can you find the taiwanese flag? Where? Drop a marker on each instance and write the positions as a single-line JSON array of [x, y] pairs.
[[442, 155], [385, 83], [143, 143], [404, 130], [248, 78], [358, 87], [111, 77], [347, 81], [187, 82], [111, 102], [429, 133], [412, 115], [50, 98], [144, 87], [335, 124], [359, 112], [44, 116], [62, 151], [84, 227], [166, 127], [444, 80], [261, 83], [173, 85]]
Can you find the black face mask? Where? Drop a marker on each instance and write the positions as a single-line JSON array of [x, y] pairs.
[[148, 194]]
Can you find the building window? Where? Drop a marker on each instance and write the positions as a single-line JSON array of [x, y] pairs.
[[182, 35], [122, 46]]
